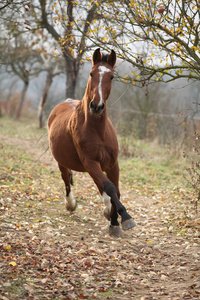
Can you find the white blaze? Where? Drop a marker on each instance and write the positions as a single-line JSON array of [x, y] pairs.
[[102, 71]]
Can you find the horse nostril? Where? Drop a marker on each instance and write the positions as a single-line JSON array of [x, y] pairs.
[[93, 105], [101, 107], [96, 108]]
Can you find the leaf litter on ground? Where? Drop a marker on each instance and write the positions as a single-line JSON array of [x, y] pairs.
[[49, 253]]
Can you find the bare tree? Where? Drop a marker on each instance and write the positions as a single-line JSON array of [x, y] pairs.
[[168, 32], [52, 71], [72, 43], [21, 61]]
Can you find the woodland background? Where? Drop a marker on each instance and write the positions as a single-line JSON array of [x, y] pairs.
[[46, 47]]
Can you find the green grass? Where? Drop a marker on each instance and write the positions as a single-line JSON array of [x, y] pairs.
[[24, 128], [152, 171], [155, 171], [151, 166]]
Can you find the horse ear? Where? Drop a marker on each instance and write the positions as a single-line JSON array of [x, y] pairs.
[[112, 58], [97, 56]]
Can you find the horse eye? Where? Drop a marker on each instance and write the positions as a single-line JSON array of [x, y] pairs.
[[91, 74], [111, 77]]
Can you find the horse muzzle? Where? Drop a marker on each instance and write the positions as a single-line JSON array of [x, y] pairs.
[[96, 110]]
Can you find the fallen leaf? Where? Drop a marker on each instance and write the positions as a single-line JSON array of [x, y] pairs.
[[12, 263]]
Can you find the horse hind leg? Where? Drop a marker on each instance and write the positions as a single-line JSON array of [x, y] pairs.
[[107, 202], [67, 178]]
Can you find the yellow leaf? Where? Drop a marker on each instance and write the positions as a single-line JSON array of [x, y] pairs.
[[149, 242], [12, 263], [155, 42], [8, 247]]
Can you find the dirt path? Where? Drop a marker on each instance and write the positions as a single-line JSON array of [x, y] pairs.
[[83, 262]]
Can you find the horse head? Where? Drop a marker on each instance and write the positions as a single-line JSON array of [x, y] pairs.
[[99, 83]]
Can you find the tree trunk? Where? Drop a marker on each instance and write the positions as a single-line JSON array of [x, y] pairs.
[[43, 100], [21, 102], [71, 77]]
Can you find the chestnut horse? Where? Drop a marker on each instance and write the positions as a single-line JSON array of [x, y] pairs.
[[82, 138]]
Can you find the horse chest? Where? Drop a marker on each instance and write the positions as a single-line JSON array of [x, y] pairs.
[[94, 148], [107, 157], [94, 140]]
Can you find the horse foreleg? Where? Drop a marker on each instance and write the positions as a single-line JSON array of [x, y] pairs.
[[107, 187], [126, 219], [113, 176], [110, 213], [117, 207], [67, 178]]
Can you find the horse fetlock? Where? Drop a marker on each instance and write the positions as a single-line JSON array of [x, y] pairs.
[[115, 230], [70, 202], [107, 209], [107, 213]]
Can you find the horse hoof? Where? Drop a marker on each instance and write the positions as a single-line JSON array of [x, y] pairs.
[[115, 230], [128, 224], [71, 208], [107, 213]]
